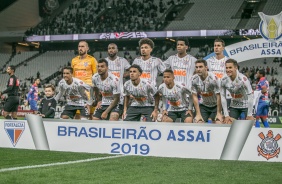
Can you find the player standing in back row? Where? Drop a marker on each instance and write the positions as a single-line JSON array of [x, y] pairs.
[[84, 67], [216, 64], [182, 64], [149, 65], [117, 66]]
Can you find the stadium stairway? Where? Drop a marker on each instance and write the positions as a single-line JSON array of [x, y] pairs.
[[29, 59]]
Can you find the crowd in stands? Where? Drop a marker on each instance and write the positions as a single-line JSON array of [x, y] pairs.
[[274, 83], [88, 16]]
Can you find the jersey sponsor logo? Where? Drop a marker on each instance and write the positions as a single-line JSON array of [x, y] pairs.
[[269, 148], [207, 94], [174, 103], [140, 99], [117, 74], [146, 75], [236, 95], [14, 130], [106, 94], [80, 73], [179, 72], [218, 75], [85, 64]]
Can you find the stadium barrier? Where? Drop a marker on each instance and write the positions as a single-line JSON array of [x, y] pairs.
[[239, 141]]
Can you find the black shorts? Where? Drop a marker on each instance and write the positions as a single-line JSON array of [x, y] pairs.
[[178, 114], [134, 113], [12, 103], [70, 111], [208, 112], [98, 112], [236, 112]]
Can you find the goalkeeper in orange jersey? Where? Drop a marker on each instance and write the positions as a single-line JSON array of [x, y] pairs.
[[84, 67]]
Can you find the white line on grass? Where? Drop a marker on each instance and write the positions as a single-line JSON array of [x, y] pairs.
[[59, 163]]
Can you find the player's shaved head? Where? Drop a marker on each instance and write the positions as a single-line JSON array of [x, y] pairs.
[[84, 42], [113, 44]]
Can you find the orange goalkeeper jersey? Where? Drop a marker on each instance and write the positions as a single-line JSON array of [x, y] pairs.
[[84, 69]]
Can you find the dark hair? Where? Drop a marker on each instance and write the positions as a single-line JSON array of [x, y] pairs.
[[262, 72], [12, 67], [146, 41], [137, 67], [68, 68], [201, 61], [235, 63], [168, 71], [185, 40], [103, 61], [220, 40], [50, 86]]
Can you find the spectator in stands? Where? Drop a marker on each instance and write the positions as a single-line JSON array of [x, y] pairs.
[[267, 70], [32, 96], [272, 71], [48, 104], [275, 71], [38, 75]]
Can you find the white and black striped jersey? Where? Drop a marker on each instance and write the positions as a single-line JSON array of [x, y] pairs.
[[117, 67], [75, 92], [142, 94], [239, 89], [151, 67], [108, 87], [183, 68], [218, 68], [176, 97], [206, 89]]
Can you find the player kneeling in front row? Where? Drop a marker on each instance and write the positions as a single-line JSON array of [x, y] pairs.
[[241, 91], [106, 87], [75, 92], [206, 85], [176, 95], [144, 95]]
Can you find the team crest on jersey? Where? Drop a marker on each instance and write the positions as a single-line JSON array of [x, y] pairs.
[[269, 148], [14, 130], [270, 27], [85, 64]]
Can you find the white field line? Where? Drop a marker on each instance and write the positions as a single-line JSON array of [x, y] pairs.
[[59, 163]]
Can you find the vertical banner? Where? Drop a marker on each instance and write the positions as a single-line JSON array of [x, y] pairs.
[[236, 139], [37, 131]]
